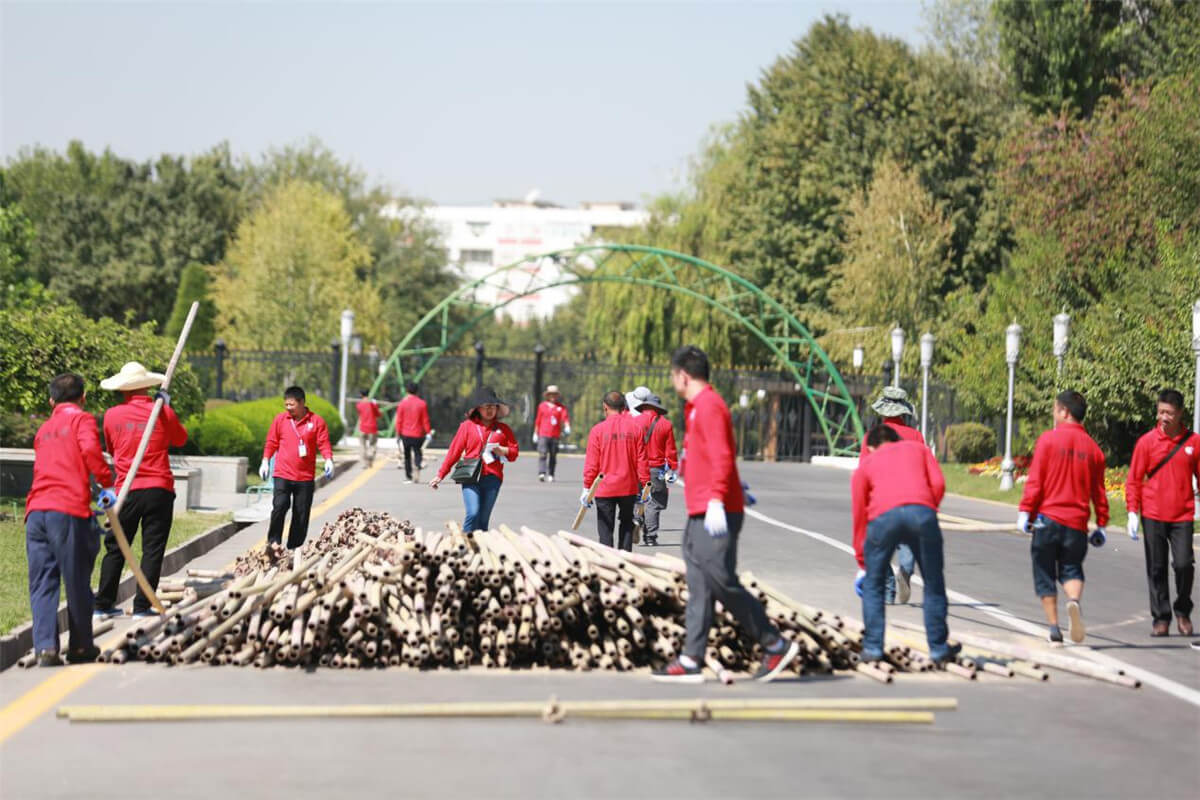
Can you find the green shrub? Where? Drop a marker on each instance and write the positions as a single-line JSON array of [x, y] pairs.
[[217, 435], [970, 442], [257, 415], [18, 430]]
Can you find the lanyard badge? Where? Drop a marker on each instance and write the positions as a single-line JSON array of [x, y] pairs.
[[301, 447]]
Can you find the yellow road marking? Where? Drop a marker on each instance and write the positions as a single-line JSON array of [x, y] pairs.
[[41, 698]]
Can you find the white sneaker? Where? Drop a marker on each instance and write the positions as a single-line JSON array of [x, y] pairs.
[[407, 481], [1076, 615], [549, 479]]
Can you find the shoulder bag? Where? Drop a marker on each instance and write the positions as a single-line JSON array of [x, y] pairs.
[[467, 470]]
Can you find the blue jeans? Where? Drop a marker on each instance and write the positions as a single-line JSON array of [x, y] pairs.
[[61, 548], [916, 526], [907, 562], [479, 498]]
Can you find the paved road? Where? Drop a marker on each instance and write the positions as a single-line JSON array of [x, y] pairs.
[[1010, 737]]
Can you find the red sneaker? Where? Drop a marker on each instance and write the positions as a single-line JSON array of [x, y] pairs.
[[676, 672], [775, 663]]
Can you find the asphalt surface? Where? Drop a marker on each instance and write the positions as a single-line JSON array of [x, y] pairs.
[[1070, 737]]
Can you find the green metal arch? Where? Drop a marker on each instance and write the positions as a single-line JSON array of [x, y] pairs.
[[789, 341]]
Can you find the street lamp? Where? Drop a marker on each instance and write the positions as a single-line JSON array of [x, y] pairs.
[[1012, 350], [347, 332], [1196, 352], [927, 340], [1062, 334], [897, 352], [857, 360]]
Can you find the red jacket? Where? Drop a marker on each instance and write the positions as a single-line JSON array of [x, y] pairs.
[[368, 415], [550, 419], [284, 438], [897, 474], [661, 447], [1167, 497], [906, 433], [124, 426], [65, 450], [412, 417], [468, 443], [709, 455], [616, 449], [1067, 470]]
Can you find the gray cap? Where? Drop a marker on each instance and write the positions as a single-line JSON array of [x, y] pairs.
[[642, 396]]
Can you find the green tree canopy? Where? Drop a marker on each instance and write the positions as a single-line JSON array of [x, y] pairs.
[[194, 287]]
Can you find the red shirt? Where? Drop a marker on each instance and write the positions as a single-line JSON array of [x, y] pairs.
[[468, 443], [1067, 470], [550, 419], [616, 449], [906, 434], [661, 447], [285, 437], [368, 415], [1167, 497], [124, 426], [65, 450], [709, 455], [897, 474], [412, 417]]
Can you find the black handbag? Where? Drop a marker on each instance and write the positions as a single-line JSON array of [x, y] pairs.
[[466, 471]]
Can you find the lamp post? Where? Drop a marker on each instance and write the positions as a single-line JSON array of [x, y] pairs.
[[857, 360], [897, 352], [347, 332], [1012, 350], [1196, 352], [927, 340], [1062, 334]]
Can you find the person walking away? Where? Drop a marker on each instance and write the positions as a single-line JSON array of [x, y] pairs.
[[293, 439], [414, 430], [895, 496], [1067, 471], [616, 449], [715, 507], [368, 427], [1158, 494], [484, 437], [661, 456], [150, 501], [894, 410], [551, 422], [61, 535]]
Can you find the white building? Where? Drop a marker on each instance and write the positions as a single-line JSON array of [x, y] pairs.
[[480, 239]]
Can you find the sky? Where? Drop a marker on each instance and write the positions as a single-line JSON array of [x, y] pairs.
[[452, 102]]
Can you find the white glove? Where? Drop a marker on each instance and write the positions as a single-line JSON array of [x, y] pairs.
[[567, 429], [1134, 524], [714, 519], [670, 475], [428, 439], [1023, 522], [329, 468], [583, 499], [264, 469], [535, 437]]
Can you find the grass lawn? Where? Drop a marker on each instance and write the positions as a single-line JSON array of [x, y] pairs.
[[987, 487], [14, 569]]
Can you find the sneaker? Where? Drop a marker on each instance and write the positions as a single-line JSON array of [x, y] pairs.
[[85, 656], [676, 672], [1054, 637], [541, 477], [549, 479], [775, 663], [1077, 630], [951, 655], [49, 658], [903, 586], [1196, 645], [101, 614], [407, 481], [650, 540], [149, 613]]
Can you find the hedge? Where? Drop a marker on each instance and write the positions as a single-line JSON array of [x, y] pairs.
[[256, 416], [216, 435], [970, 442]]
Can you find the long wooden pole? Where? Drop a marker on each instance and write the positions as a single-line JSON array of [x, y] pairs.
[[112, 512], [591, 496]]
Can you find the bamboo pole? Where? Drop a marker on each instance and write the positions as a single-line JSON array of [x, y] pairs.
[[590, 496]]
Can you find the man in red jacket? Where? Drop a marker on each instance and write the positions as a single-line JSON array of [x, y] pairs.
[[551, 422], [294, 438], [414, 431], [368, 427], [61, 536], [1067, 471], [616, 450], [661, 456], [1159, 495], [150, 501], [715, 507], [895, 495]]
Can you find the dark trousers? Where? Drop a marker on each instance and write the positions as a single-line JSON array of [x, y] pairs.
[[659, 495], [298, 495], [711, 576], [1160, 539], [916, 526], [60, 548], [606, 515], [547, 447], [153, 510], [412, 454]]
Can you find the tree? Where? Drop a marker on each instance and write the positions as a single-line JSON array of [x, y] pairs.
[[193, 287], [294, 265]]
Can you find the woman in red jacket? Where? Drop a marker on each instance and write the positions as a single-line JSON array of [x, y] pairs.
[[481, 435]]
